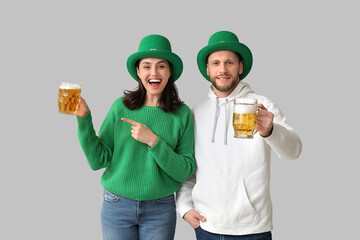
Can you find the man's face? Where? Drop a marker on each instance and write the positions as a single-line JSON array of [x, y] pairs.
[[223, 68]]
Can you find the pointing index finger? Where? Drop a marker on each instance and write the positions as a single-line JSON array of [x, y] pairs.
[[132, 122]]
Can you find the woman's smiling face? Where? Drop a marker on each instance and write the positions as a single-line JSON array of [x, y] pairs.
[[154, 74]]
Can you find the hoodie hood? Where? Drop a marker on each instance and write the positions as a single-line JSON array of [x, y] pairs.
[[241, 90]]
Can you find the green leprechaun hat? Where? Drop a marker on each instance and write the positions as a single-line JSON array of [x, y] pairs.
[[225, 40], [156, 46]]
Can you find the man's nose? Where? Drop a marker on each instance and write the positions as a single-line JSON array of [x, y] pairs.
[[222, 68]]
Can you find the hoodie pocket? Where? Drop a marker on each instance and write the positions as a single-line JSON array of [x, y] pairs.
[[245, 212], [224, 200]]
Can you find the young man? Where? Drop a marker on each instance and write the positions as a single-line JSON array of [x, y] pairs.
[[228, 197]]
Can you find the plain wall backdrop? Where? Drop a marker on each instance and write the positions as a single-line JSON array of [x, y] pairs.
[[306, 57]]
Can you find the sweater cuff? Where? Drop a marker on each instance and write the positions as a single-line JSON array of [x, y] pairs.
[[85, 121], [157, 145]]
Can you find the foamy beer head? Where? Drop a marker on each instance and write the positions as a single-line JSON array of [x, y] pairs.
[[69, 98], [244, 117]]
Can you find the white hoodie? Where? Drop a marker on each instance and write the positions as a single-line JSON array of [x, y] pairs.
[[230, 187]]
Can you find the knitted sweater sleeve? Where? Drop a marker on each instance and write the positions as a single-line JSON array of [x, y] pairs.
[[97, 149], [179, 164]]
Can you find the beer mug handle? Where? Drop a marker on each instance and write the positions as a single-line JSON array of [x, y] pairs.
[[257, 111]]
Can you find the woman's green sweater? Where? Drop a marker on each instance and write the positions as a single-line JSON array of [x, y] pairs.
[[133, 169]]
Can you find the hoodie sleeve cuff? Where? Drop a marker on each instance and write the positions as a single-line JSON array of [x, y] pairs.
[[285, 142], [183, 210], [273, 134]]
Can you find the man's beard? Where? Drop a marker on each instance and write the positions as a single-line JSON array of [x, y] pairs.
[[224, 88]]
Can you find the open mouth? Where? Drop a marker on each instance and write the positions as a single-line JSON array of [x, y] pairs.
[[154, 82]]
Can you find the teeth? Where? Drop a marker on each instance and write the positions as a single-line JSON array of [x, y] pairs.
[[154, 81]]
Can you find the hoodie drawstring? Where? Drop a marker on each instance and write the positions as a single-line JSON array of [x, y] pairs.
[[241, 90], [215, 120], [226, 122]]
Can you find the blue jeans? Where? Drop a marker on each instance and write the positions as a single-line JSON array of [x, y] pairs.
[[123, 218], [201, 234]]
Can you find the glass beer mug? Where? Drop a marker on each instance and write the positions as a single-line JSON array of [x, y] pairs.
[[244, 117], [69, 98]]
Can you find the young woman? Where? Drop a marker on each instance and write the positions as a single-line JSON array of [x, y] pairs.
[[145, 145]]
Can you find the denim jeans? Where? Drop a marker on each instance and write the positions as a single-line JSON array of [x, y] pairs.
[[201, 234], [123, 218]]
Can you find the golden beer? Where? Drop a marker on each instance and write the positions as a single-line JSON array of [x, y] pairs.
[[244, 123], [69, 98], [244, 117]]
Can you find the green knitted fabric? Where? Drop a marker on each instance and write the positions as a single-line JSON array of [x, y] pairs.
[[133, 169]]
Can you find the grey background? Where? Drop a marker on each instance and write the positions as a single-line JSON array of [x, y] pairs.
[[306, 57]]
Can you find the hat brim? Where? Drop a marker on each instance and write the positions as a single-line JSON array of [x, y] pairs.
[[239, 48], [174, 59]]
